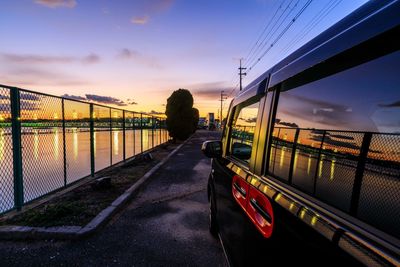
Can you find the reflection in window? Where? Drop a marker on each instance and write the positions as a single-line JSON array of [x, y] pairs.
[[327, 124], [242, 134]]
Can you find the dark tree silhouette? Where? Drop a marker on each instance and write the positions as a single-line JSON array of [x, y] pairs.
[[180, 113], [196, 117]]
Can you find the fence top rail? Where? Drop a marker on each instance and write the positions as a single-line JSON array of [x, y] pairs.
[[336, 131], [75, 100]]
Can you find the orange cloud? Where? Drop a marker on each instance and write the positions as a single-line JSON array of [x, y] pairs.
[[129, 54], [56, 3], [140, 20]]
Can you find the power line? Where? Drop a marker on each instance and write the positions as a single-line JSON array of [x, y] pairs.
[[249, 54], [282, 33], [311, 24], [262, 43]]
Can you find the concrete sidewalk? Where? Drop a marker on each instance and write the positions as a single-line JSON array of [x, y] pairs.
[[165, 225]]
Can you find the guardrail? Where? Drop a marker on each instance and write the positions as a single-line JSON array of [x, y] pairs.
[[49, 142]]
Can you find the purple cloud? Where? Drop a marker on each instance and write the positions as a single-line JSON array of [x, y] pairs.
[[74, 97], [137, 57], [106, 100], [90, 59], [45, 59], [153, 112]]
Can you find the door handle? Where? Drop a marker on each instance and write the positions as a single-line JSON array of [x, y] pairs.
[[240, 189], [260, 210]]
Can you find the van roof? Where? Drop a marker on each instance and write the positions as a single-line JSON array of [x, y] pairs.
[[364, 23]]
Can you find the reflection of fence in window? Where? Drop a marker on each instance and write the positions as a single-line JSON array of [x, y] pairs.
[[48, 142], [330, 165], [243, 134]]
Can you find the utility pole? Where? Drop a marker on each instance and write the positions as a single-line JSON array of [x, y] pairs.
[[223, 97], [241, 74]]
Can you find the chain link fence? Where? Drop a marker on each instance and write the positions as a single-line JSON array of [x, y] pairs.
[[49, 142]]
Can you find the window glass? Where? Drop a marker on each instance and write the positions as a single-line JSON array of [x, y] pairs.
[[328, 123], [242, 134]]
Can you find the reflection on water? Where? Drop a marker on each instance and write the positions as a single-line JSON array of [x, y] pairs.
[[36, 143], [332, 169], [115, 144], [56, 144], [321, 165], [296, 155], [43, 157], [75, 143], [282, 157]]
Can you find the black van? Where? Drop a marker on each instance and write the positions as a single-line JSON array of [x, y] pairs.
[[308, 167]]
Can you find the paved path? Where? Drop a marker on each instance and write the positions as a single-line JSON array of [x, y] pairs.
[[165, 225]]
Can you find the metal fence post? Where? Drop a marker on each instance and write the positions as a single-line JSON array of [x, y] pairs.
[[355, 196], [123, 135], [134, 133], [64, 145], [293, 156], [111, 138], [17, 149], [141, 133], [152, 131], [91, 125], [318, 162], [160, 131]]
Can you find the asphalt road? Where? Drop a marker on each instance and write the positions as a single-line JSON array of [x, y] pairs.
[[165, 225]]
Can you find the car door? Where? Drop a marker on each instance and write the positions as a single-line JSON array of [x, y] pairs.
[[229, 175]]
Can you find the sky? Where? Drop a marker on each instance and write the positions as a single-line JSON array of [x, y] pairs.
[[134, 54]]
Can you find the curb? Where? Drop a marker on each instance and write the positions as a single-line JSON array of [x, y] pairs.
[[11, 232]]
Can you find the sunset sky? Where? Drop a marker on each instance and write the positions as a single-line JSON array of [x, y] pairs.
[[134, 54]]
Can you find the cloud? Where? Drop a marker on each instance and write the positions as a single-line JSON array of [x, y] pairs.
[[210, 90], [28, 105], [155, 6], [288, 124], [36, 59], [132, 103], [141, 20], [339, 136], [106, 100], [92, 58], [336, 143], [46, 59], [395, 104], [149, 8], [74, 97], [32, 76], [249, 120], [56, 3], [29, 96], [137, 57], [153, 112]]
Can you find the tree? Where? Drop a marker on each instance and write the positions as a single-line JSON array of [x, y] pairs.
[[180, 114], [196, 117]]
